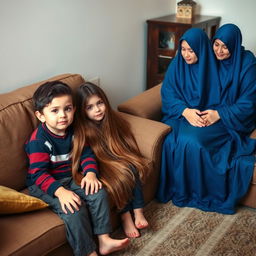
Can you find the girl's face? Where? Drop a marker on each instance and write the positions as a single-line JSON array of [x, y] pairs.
[[95, 108], [221, 50], [187, 53]]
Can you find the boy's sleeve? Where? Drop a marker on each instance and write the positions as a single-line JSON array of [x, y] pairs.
[[39, 164], [88, 161]]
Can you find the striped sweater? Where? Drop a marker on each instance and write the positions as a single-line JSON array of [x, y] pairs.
[[49, 159]]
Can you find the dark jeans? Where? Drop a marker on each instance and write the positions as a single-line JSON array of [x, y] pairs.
[[79, 225], [138, 199]]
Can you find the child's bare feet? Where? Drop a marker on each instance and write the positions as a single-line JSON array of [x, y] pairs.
[[128, 225], [108, 244], [140, 220]]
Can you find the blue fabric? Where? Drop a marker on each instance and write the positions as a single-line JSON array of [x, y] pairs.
[[193, 86], [209, 168], [237, 76]]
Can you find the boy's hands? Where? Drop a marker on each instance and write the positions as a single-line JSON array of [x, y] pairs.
[[68, 200], [90, 183]]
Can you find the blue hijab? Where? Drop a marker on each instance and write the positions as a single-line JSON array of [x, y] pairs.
[[191, 85], [238, 81]]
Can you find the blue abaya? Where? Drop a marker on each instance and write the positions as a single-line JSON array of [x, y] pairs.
[[211, 167]]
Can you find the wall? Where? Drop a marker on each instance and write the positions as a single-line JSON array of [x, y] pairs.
[[100, 38], [238, 12]]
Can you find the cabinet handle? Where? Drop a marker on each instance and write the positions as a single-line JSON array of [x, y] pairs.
[[165, 57]]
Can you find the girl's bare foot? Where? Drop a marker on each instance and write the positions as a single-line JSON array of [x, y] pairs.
[[140, 220], [108, 244], [128, 225]]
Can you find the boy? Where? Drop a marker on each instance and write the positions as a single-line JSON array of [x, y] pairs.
[[50, 177]]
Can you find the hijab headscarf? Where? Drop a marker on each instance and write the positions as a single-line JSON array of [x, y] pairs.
[[191, 85], [233, 69], [238, 81]]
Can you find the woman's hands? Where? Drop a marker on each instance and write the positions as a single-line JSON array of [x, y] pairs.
[[193, 116], [201, 118], [210, 116], [90, 183]]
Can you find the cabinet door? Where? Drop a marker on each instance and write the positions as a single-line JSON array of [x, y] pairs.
[[161, 49], [163, 41], [166, 50]]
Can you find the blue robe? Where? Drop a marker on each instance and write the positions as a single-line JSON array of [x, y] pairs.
[[211, 167]]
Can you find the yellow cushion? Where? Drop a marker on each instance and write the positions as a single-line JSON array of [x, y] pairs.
[[12, 201]]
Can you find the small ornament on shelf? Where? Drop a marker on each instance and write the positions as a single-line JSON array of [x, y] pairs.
[[186, 9]]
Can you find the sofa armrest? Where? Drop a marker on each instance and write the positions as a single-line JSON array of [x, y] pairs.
[[146, 104], [149, 135]]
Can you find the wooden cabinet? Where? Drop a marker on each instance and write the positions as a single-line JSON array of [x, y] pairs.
[[163, 39]]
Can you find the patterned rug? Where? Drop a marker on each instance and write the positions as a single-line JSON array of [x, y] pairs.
[[186, 231]]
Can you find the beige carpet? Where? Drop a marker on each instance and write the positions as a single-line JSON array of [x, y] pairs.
[[185, 231]]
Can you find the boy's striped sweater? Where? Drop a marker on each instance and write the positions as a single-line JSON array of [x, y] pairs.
[[49, 158]]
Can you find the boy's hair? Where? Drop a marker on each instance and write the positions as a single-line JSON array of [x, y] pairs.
[[46, 92]]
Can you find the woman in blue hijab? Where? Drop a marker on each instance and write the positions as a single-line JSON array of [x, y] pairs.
[[237, 76], [205, 163]]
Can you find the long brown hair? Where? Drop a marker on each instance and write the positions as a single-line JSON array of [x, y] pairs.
[[113, 144]]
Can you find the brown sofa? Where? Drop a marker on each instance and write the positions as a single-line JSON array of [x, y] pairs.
[[41, 232], [148, 105]]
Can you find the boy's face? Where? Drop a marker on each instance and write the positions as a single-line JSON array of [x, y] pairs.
[[58, 114]]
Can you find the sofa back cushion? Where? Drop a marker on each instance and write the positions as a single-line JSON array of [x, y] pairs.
[[17, 121]]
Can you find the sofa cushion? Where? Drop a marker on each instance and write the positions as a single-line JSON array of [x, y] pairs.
[[33, 233], [17, 121], [12, 201]]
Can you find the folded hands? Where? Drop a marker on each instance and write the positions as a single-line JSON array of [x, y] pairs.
[[201, 118]]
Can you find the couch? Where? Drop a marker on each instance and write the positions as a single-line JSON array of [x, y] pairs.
[[39, 231], [148, 105]]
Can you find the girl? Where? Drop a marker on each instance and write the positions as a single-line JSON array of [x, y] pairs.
[[121, 164]]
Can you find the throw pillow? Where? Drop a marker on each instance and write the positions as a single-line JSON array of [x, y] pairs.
[[12, 201]]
